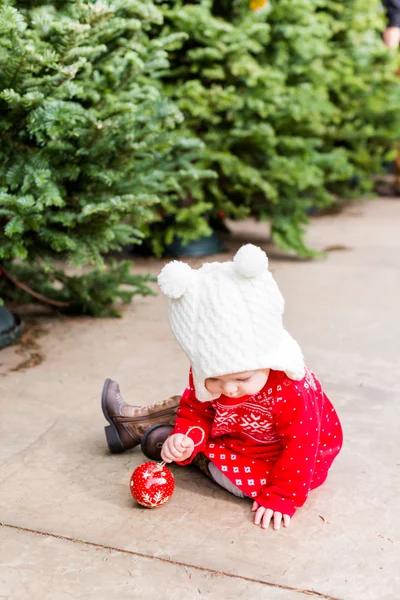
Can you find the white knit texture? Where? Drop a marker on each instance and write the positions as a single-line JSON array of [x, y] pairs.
[[228, 318]]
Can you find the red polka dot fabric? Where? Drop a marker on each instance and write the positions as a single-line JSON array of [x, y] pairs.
[[275, 446]]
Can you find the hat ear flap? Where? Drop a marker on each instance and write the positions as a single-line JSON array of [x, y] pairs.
[[250, 261], [175, 279]]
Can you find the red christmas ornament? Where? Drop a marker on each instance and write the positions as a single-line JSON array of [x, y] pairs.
[[152, 484]]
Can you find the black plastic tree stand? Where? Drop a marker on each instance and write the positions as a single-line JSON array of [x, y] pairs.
[[10, 327]]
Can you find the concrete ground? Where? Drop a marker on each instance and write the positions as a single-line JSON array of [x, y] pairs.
[[69, 526]]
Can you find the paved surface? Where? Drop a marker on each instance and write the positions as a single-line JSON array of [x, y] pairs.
[[70, 528]]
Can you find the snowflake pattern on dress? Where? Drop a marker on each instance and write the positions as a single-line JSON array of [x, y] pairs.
[[253, 418]]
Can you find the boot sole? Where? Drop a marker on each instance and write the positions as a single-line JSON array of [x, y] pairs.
[[114, 442]]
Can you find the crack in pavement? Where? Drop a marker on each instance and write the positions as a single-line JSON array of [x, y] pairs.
[[173, 562]]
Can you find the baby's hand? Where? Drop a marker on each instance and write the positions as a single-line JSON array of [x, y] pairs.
[[177, 447], [263, 517]]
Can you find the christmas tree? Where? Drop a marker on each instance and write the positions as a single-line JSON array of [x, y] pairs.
[[296, 103], [92, 153]]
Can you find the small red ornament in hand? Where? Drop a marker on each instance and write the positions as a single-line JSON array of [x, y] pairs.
[[152, 484]]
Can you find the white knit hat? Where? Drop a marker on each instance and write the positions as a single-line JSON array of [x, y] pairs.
[[227, 317]]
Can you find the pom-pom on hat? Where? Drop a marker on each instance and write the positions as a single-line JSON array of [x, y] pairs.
[[227, 317], [175, 279]]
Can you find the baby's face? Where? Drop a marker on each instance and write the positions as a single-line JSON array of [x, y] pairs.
[[238, 384]]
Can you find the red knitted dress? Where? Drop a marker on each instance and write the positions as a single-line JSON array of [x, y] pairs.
[[275, 446]]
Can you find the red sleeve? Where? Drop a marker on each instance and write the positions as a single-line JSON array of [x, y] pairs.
[[194, 419], [298, 422]]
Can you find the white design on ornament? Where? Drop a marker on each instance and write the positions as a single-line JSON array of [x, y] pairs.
[[152, 476], [157, 500]]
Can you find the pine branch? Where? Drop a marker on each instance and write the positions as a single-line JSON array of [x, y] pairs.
[[31, 292]]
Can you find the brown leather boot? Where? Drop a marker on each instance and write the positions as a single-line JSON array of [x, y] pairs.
[[127, 423]]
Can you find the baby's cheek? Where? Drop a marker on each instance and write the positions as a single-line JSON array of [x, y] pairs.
[[212, 386], [208, 385], [253, 388], [259, 382]]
